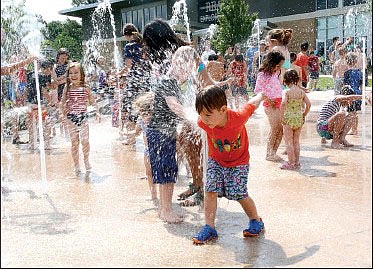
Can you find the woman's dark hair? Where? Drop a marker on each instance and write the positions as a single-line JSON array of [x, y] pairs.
[[239, 58], [271, 60], [210, 98], [130, 30], [160, 39], [291, 77]]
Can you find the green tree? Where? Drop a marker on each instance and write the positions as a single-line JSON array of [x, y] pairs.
[[13, 27], [234, 24], [67, 34]]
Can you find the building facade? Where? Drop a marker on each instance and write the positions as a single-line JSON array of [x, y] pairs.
[[316, 22]]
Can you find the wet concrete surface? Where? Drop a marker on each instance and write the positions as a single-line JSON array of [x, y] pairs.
[[319, 216]]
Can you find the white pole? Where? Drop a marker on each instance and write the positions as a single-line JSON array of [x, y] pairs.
[[41, 137], [363, 105]]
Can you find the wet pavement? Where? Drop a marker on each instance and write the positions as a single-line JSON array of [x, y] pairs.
[[319, 216]]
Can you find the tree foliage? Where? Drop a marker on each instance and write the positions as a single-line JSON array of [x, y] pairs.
[[234, 24], [67, 34], [77, 3]]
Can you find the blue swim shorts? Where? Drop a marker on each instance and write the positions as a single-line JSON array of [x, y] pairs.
[[162, 150], [323, 129], [230, 183]]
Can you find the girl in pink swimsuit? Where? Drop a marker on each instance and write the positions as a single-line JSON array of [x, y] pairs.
[[268, 83]]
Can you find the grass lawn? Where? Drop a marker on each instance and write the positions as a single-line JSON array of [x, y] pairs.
[[325, 83]]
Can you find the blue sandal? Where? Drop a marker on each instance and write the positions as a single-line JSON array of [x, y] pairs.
[[254, 228], [206, 234]]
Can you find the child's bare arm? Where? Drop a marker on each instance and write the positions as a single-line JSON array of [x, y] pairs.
[[256, 100], [307, 105]]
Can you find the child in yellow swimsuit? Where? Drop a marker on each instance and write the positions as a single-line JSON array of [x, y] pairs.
[[293, 110]]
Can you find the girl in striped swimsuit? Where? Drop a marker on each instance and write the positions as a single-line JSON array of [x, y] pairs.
[[74, 101]]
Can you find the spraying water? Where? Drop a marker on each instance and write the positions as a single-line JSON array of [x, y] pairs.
[[256, 34], [27, 38], [180, 19]]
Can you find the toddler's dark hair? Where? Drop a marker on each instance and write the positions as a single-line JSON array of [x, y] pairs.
[[210, 98], [212, 57], [347, 90], [304, 46], [291, 77], [293, 57], [239, 58]]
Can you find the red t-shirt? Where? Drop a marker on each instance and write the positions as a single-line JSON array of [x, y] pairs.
[[228, 145], [302, 61]]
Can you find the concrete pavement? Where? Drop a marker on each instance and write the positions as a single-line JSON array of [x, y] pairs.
[[319, 216]]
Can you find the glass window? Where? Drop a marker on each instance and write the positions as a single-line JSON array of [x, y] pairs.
[[158, 12], [152, 13], [321, 23], [146, 15], [164, 12], [332, 3], [134, 17], [321, 4], [332, 21], [321, 34], [140, 20], [333, 32], [129, 17], [349, 3]]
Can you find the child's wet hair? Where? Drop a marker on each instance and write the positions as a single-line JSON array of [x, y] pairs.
[[46, 64], [347, 90], [271, 60], [351, 58], [283, 36], [210, 98], [130, 30], [291, 77], [143, 104]]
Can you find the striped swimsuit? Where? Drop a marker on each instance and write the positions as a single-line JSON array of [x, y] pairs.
[[77, 104]]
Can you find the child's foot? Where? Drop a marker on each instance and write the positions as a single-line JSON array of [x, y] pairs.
[[274, 157], [287, 166], [156, 202], [170, 217], [323, 140], [335, 145], [77, 170], [347, 144], [206, 234], [353, 133], [254, 228]]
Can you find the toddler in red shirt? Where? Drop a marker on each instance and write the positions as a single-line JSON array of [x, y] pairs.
[[228, 158]]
